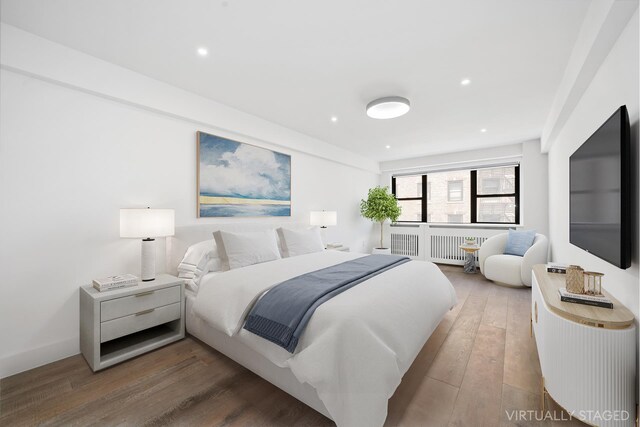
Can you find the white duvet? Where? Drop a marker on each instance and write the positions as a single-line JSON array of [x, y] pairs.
[[357, 346]]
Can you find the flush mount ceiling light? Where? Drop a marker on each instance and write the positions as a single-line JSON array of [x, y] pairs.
[[465, 82], [389, 107], [202, 51]]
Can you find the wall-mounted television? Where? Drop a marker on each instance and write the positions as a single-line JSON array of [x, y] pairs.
[[600, 194]]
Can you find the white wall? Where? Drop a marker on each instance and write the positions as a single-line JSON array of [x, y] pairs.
[[75, 148], [533, 174], [615, 84]]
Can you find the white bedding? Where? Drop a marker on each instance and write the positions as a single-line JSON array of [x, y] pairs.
[[357, 345]]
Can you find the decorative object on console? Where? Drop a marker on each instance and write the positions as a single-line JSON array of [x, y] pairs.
[[147, 224], [575, 279], [470, 241], [239, 179], [115, 282], [593, 283], [380, 206]]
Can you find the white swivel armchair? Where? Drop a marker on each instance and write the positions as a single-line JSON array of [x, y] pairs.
[[511, 270]]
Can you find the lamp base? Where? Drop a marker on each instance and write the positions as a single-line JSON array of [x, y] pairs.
[[148, 265]]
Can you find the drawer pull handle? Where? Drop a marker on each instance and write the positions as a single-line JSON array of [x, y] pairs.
[[145, 312], [535, 305], [144, 294]]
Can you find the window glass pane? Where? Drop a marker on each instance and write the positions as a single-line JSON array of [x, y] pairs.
[[497, 180], [411, 210], [455, 191], [408, 186], [497, 209], [450, 195]]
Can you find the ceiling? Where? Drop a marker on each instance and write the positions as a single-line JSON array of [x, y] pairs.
[[298, 63]]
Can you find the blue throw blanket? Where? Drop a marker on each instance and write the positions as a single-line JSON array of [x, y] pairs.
[[281, 315]]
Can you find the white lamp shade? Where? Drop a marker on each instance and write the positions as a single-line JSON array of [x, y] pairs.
[[143, 223], [323, 218]]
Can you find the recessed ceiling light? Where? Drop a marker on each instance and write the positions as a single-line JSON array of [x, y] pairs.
[[465, 82], [389, 107], [334, 119], [202, 51], [483, 130], [387, 146]]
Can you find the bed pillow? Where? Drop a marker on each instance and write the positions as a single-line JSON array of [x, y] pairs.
[[519, 242], [241, 249], [199, 259], [300, 242]]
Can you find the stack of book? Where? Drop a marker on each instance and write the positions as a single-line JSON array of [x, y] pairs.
[[557, 268], [334, 245], [115, 282], [597, 301]]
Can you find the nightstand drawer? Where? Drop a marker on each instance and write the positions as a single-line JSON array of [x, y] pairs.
[[125, 306], [143, 319]]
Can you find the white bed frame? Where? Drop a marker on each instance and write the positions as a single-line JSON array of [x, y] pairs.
[[282, 378]]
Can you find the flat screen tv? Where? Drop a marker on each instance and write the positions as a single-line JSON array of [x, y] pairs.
[[600, 195]]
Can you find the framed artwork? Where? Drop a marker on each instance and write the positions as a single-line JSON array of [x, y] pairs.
[[236, 179]]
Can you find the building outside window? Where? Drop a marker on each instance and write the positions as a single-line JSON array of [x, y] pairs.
[[487, 195], [454, 191]]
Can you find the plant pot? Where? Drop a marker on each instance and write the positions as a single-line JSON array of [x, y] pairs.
[[383, 251]]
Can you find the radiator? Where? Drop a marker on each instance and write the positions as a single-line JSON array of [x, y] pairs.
[[405, 244], [446, 248]]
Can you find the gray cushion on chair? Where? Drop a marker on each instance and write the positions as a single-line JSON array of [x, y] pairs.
[[519, 242]]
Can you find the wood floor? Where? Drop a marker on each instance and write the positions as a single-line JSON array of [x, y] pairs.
[[478, 365]]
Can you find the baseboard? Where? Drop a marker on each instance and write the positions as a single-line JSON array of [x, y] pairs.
[[23, 361]]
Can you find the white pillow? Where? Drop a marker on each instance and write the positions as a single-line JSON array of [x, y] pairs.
[[198, 260], [300, 242], [241, 249]]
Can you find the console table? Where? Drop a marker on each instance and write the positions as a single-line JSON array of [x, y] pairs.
[[587, 354]]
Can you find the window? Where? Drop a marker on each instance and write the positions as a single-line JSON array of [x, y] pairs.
[[454, 189], [489, 195], [408, 191], [497, 195]]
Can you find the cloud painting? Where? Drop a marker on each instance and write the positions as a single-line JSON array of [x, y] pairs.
[[238, 179]]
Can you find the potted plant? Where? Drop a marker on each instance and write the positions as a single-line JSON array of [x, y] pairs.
[[379, 206]]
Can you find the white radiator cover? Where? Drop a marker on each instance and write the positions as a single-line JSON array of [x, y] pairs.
[[585, 368], [436, 244]]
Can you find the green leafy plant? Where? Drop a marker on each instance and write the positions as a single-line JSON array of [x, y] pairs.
[[379, 206]]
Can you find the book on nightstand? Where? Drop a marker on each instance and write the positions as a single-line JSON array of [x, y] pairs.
[[334, 245], [596, 301], [115, 282]]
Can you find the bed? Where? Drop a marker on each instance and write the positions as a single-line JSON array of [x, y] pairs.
[[354, 350]]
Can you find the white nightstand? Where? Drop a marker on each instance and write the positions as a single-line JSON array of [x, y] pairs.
[[120, 324], [339, 248]]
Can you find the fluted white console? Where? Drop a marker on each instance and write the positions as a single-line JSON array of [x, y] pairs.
[[587, 354]]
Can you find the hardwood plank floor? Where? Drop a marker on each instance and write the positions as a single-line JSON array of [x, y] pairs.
[[479, 365]]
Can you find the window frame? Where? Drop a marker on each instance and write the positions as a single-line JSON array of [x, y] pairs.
[[473, 200], [423, 198], [475, 196]]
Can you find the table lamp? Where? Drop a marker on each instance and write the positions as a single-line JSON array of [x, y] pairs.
[[147, 224], [323, 218]]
